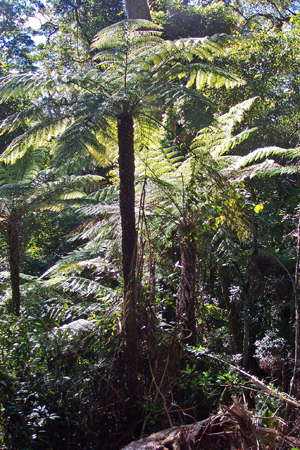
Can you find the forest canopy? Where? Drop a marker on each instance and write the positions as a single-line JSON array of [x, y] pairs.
[[149, 224]]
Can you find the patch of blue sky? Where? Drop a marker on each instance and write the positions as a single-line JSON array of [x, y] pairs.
[[33, 25]]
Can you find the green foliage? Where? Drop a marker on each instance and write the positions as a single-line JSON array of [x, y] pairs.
[[15, 41], [181, 21], [216, 169], [134, 52], [42, 373]]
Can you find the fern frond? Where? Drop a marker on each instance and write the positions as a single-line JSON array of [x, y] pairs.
[[78, 327], [204, 75], [93, 132], [236, 114], [113, 35], [231, 142], [25, 169], [265, 152], [49, 191], [38, 135], [76, 285], [153, 159], [187, 48], [18, 119], [24, 84], [255, 170], [100, 209], [217, 139], [106, 195]]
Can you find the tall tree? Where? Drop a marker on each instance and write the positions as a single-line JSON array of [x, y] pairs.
[[15, 41]]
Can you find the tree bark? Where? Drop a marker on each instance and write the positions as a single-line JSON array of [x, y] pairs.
[[129, 243], [233, 317], [185, 305], [295, 381], [137, 9], [13, 239], [246, 333]]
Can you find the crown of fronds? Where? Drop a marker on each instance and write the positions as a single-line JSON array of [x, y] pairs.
[[135, 66], [25, 187], [180, 185]]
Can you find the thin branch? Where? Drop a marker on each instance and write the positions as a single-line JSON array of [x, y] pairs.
[[256, 381]]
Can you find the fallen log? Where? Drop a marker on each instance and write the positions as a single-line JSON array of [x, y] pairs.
[[233, 428]]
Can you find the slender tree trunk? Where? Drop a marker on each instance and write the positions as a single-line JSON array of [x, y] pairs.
[[246, 333], [295, 381], [129, 243], [13, 238], [185, 306], [233, 317], [137, 9]]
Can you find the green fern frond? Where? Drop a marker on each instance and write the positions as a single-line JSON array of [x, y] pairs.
[[25, 169], [99, 209], [38, 135], [280, 170], [202, 75], [17, 180], [113, 35], [76, 285], [218, 138], [231, 142], [54, 189], [186, 49], [18, 119], [236, 114], [93, 133], [72, 195], [106, 195], [158, 162], [255, 170], [265, 152], [22, 85], [153, 159]]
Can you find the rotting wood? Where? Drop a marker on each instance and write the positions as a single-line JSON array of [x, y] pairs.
[[233, 428]]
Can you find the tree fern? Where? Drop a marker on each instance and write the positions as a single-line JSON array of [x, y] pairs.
[[25, 189], [129, 57], [131, 80], [173, 174]]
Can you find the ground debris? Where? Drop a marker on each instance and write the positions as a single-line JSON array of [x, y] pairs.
[[234, 428]]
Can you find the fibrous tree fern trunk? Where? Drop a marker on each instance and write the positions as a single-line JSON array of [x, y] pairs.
[[185, 306], [137, 9], [129, 242], [13, 239]]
